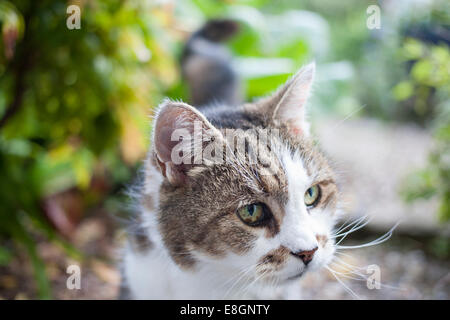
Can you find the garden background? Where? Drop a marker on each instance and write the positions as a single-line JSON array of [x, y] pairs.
[[76, 105]]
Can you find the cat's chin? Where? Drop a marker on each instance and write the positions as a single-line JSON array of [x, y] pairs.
[[313, 267], [295, 277], [300, 273], [284, 278]]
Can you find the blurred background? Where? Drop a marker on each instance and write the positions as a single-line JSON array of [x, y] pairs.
[[75, 110]]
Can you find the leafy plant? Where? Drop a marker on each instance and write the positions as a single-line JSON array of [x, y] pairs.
[[73, 106], [434, 180], [427, 90]]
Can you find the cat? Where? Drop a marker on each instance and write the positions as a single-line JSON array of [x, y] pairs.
[[214, 225]]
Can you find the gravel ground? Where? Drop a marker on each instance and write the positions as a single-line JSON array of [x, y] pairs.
[[405, 274]]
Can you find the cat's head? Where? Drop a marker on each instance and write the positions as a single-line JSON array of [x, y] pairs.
[[271, 218]]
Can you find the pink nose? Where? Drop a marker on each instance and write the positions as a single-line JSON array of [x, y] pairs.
[[306, 255]]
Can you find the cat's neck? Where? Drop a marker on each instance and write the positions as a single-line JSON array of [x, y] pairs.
[[152, 274]]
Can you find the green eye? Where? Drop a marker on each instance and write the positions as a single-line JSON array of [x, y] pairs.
[[312, 196], [251, 214]]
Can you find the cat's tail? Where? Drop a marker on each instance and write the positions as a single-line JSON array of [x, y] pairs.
[[206, 65]]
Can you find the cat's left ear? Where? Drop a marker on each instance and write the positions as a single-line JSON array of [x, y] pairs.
[[287, 106], [180, 136]]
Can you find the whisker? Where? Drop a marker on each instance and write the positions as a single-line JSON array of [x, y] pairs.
[[355, 228], [345, 226], [347, 264], [345, 119], [343, 284], [363, 276], [375, 242], [346, 275], [344, 254], [245, 290], [241, 275]]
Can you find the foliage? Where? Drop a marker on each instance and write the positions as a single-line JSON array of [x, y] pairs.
[[426, 91], [434, 180], [74, 105]]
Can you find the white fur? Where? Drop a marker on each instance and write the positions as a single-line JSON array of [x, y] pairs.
[[300, 227]]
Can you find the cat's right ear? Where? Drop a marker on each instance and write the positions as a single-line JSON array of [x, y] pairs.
[[287, 106], [177, 132]]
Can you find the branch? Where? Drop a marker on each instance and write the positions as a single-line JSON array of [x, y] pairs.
[[22, 62]]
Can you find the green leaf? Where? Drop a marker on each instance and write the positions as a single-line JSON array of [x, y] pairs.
[[403, 90], [5, 256]]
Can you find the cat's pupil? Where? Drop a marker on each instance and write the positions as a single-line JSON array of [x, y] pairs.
[[310, 192], [251, 209]]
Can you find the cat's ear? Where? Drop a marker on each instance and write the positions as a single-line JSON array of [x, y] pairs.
[[178, 131], [287, 105]]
